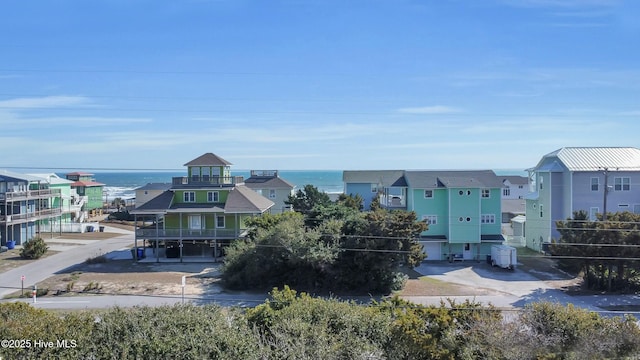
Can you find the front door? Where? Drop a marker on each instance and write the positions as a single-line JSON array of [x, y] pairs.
[[467, 254]]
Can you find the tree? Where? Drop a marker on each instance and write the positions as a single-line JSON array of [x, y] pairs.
[[375, 246], [602, 250], [34, 248], [283, 253], [305, 200]]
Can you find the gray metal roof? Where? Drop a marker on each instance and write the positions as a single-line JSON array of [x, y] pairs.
[[428, 179], [380, 177], [596, 158], [208, 159], [18, 176]]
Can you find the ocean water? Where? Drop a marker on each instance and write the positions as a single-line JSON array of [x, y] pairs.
[[123, 184]]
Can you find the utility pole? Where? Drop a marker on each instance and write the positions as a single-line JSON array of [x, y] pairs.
[[606, 189]]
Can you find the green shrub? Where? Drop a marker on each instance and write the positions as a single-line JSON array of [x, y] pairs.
[[34, 248]]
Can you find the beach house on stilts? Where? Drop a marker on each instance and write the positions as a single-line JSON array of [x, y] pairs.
[[199, 214]]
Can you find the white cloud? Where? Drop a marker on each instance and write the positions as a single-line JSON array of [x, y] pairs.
[[436, 109], [45, 102]]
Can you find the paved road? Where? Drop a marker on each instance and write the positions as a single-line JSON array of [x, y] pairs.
[[511, 289], [105, 301], [46, 267]]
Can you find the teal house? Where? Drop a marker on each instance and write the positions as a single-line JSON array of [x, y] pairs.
[[199, 213], [462, 208]]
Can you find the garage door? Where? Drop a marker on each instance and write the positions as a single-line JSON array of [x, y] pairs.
[[432, 249]]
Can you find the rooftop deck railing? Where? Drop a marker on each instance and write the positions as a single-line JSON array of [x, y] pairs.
[[204, 180]]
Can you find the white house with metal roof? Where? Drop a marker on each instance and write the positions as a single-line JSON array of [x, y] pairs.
[[593, 179]]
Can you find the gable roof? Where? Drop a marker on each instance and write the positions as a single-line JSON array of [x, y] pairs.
[[159, 203], [596, 158], [429, 179], [155, 186], [268, 182], [379, 177], [18, 176], [241, 199], [208, 159], [515, 179], [53, 179]]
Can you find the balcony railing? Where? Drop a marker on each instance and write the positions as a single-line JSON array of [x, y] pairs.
[[31, 216], [169, 234], [264, 173], [29, 194], [203, 180], [393, 201]]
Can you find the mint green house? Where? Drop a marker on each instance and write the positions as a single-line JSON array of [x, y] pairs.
[[462, 208], [200, 213], [65, 200], [86, 186]]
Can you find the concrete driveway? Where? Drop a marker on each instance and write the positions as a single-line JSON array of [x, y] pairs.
[[509, 288]]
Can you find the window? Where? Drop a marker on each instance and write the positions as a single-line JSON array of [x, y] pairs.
[[541, 210], [189, 196], [636, 209], [428, 194], [195, 222], [595, 184], [486, 193], [506, 192], [520, 186], [621, 184], [488, 218], [541, 181], [220, 221], [272, 194], [430, 219], [593, 212], [374, 188], [213, 196]]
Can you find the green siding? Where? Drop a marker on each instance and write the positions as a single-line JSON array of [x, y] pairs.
[[94, 197], [201, 196], [464, 215], [438, 206], [492, 205]]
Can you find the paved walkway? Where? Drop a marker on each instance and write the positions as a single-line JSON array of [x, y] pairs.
[[69, 256]]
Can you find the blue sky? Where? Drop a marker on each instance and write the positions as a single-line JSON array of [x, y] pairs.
[[315, 84]]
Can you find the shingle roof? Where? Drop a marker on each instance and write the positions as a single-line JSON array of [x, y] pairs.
[[155, 186], [381, 177], [208, 159], [268, 182], [597, 158], [244, 200], [453, 179], [515, 179], [159, 203]]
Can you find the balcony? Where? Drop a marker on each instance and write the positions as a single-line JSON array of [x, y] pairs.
[[29, 194], [393, 201], [13, 219], [187, 234], [204, 180]]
